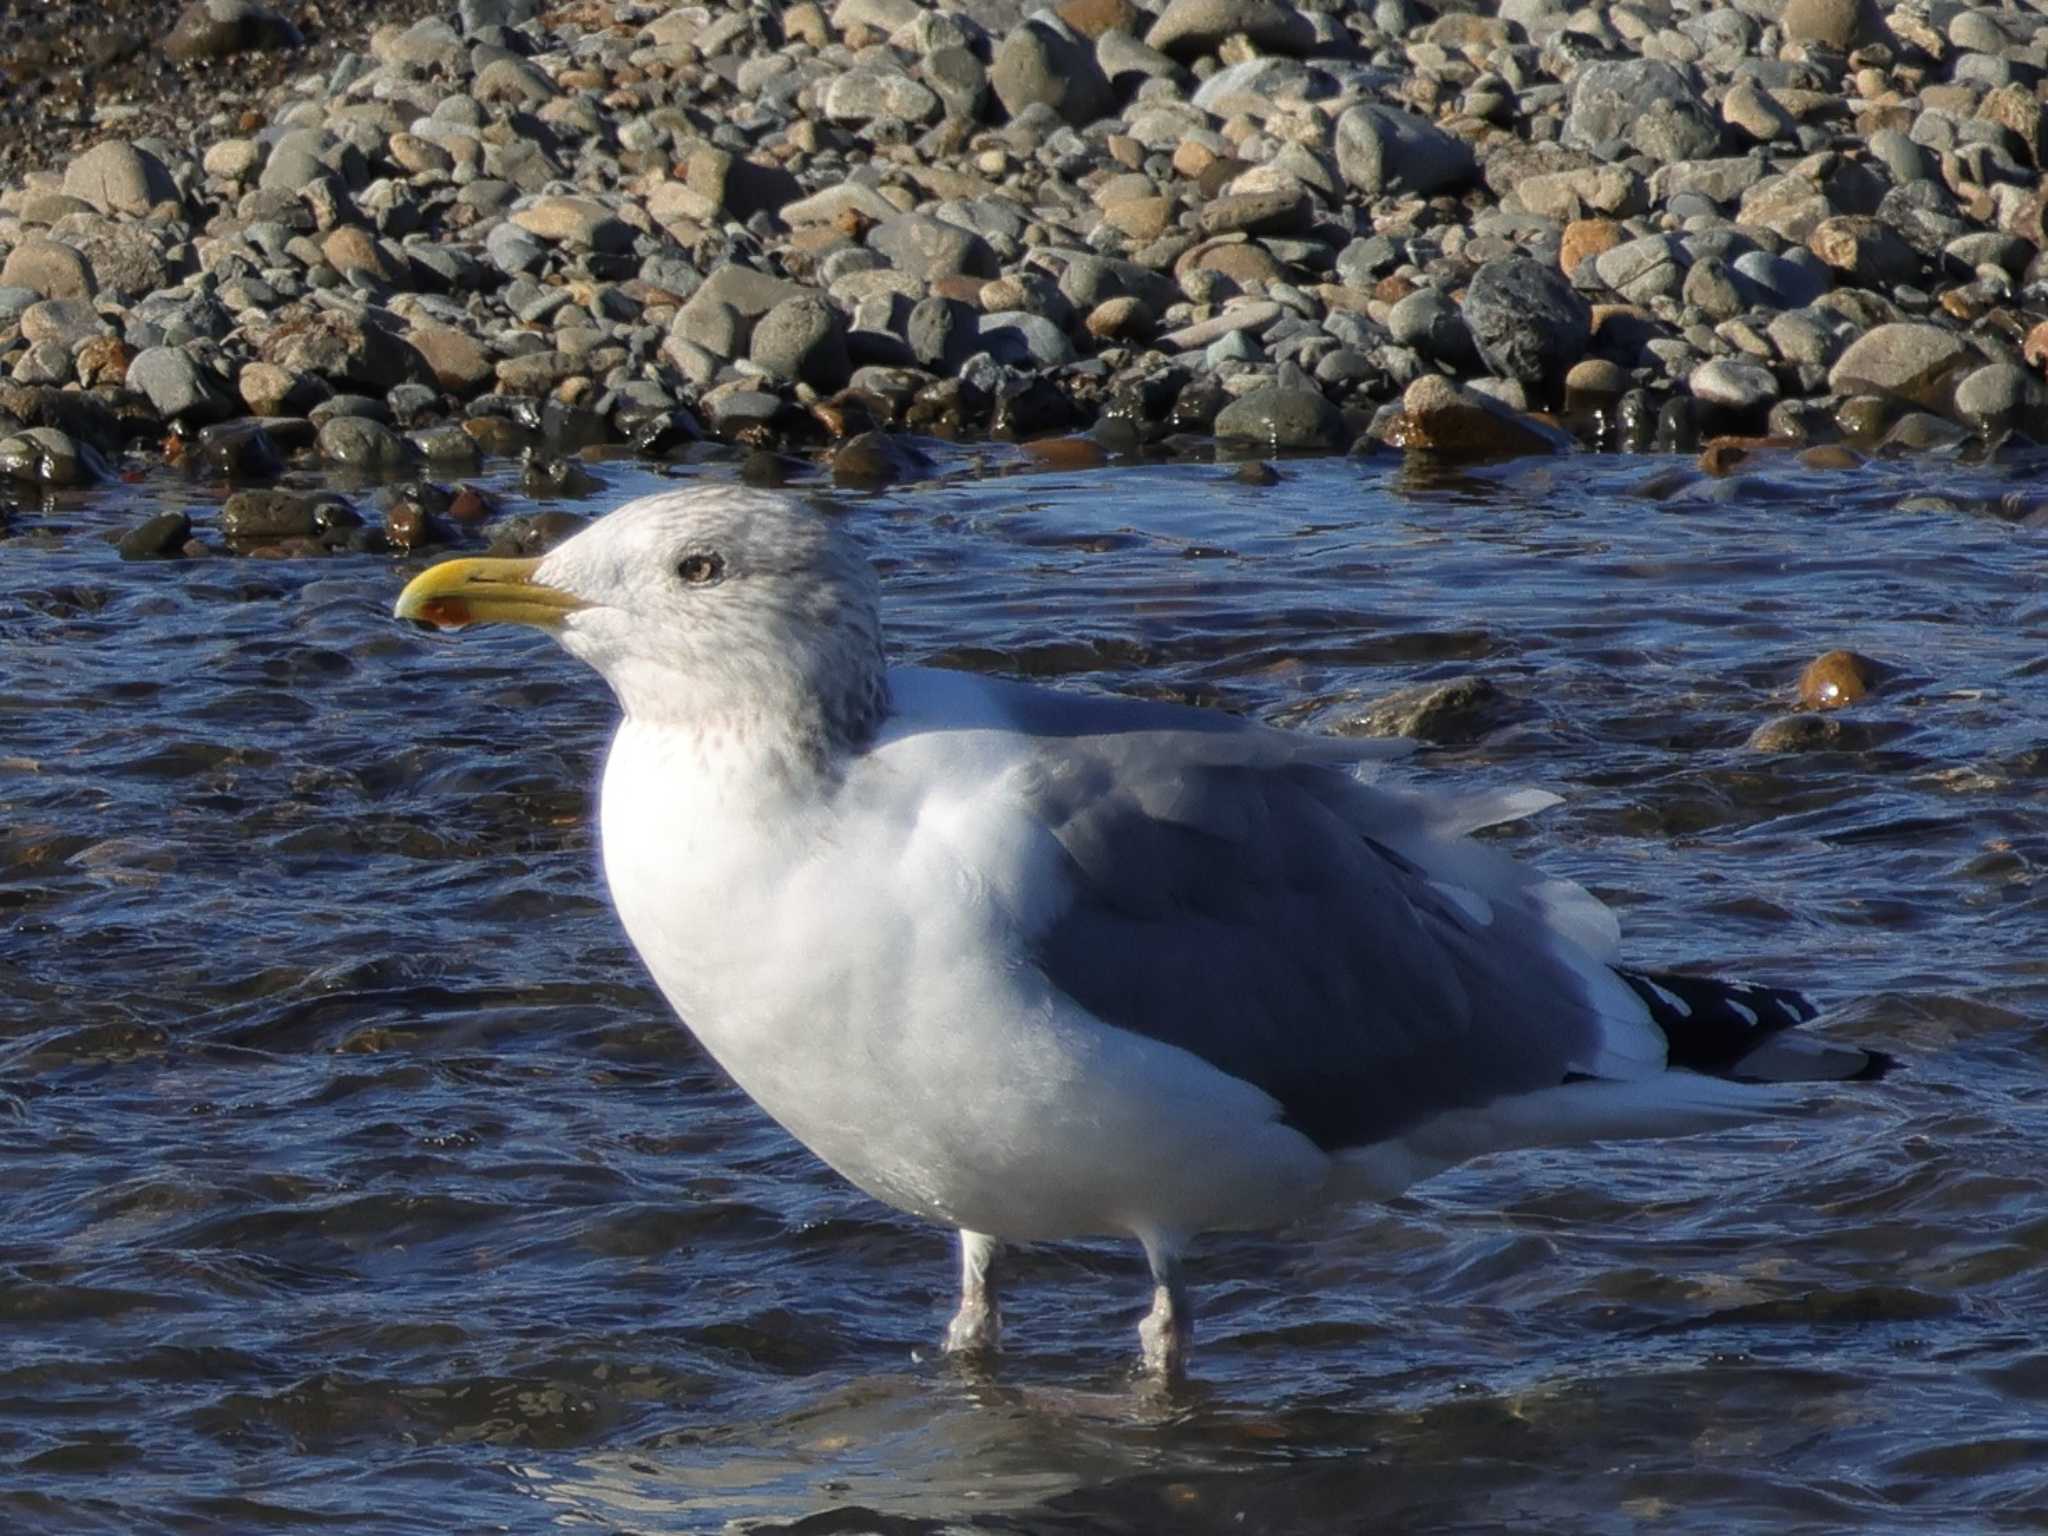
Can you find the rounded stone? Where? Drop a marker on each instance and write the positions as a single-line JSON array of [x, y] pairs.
[[1280, 416], [49, 268], [1596, 377], [1836, 678], [1527, 320], [1041, 64], [1733, 385], [1907, 359], [802, 338], [156, 538], [361, 443], [1999, 397], [176, 387], [212, 29], [1839, 24], [117, 177]]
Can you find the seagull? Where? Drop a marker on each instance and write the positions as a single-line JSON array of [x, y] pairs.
[[1036, 964]]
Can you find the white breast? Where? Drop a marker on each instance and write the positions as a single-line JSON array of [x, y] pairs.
[[855, 963]]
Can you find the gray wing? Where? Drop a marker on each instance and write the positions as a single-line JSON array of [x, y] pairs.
[[1251, 902]]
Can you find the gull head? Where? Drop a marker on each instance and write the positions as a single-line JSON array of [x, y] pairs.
[[718, 609]]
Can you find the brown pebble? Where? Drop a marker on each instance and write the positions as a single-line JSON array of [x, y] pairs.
[[1831, 456], [1837, 678], [1584, 239], [288, 549], [1122, 318], [1863, 417], [405, 524], [2035, 348], [1596, 377], [1066, 453], [468, 506], [863, 460]]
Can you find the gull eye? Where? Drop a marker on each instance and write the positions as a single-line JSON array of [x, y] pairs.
[[701, 569]]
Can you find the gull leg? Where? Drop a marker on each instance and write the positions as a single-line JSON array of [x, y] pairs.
[[978, 1325], [1169, 1328]]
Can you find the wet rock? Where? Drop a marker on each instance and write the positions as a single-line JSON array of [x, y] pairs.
[[1837, 678], [1909, 360], [74, 415], [525, 537], [1438, 417], [212, 29], [118, 177], [48, 456], [1027, 407], [1456, 713], [361, 443], [407, 525], [446, 446], [1281, 416], [1919, 432], [469, 507], [870, 459], [1802, 733], [2000, 398], [156, 538], [266, 515], [238, 450], [1383, 149], [1529, 323]]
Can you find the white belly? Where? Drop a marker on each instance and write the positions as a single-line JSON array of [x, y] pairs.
[[862, 996]]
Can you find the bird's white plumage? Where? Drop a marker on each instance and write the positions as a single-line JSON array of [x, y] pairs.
[[859, 968], [1039, 966]]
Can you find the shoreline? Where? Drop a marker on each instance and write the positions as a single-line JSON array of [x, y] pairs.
[[512, 227]]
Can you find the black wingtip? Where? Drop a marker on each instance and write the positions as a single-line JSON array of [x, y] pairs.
[[1710, 1024], [1732, 1028]]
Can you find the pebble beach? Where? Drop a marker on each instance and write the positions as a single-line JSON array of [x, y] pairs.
[[401, 240]]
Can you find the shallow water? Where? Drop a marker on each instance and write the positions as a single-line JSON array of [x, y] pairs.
[[356, 1177]]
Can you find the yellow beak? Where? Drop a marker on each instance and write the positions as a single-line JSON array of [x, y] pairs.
[[459, 592]]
